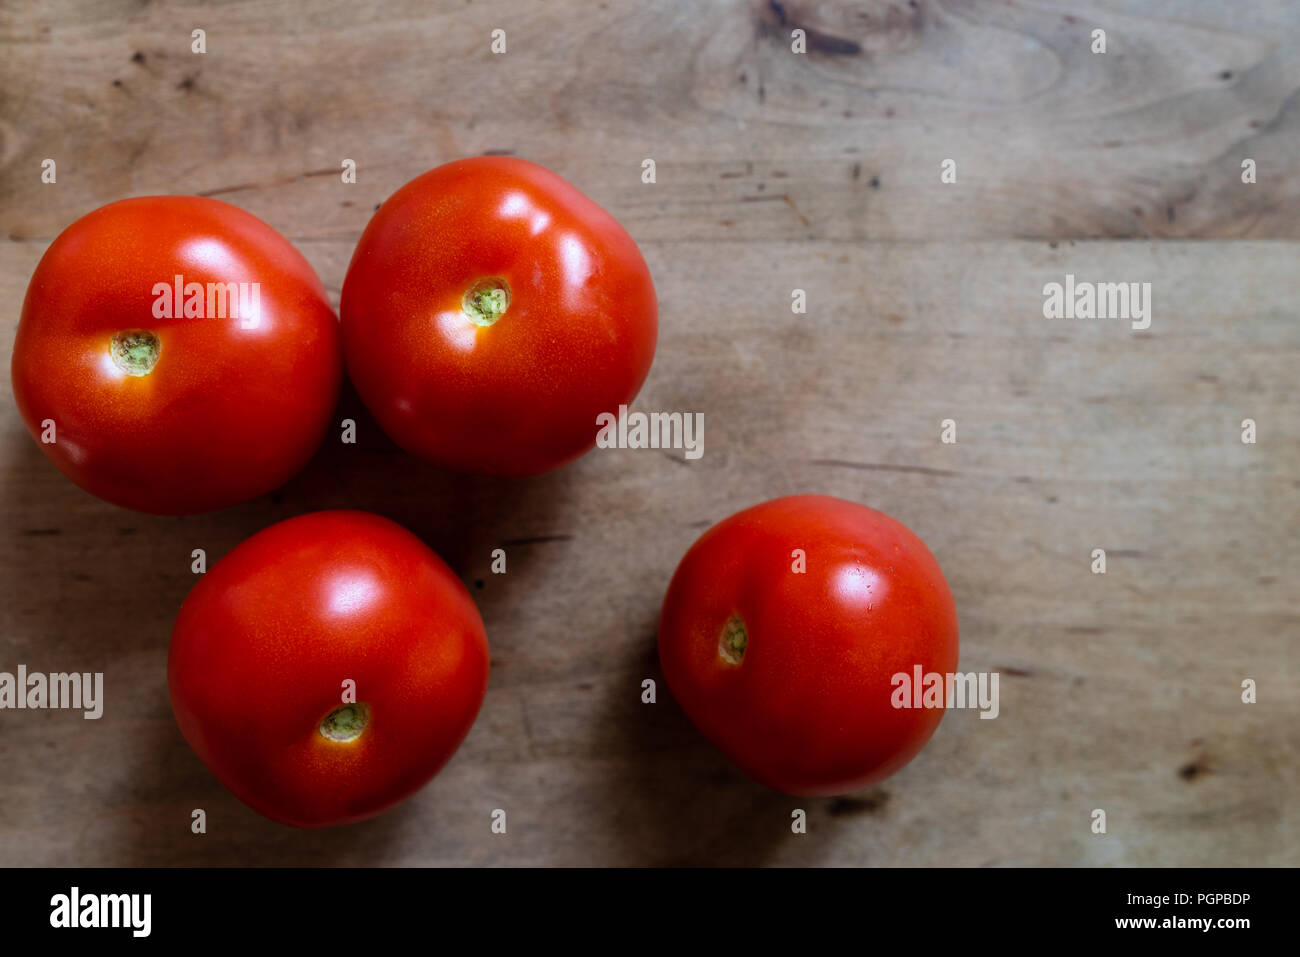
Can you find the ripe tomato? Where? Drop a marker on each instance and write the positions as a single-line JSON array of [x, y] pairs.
[[491, 312], [188, 413], [267, 640], [789, 673]]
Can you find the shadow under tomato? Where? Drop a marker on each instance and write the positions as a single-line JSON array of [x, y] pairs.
[[97, 588], [672, 799], [171, 783], [462, 517]]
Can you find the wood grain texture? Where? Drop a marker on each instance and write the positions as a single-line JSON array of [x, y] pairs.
[[1119, 691], [751, 141]]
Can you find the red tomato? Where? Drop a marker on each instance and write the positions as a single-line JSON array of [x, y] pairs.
[[182, 414], [266, 641], [491, 312], [789, 673]]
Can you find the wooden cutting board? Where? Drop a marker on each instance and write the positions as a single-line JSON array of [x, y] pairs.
[[775, 171]]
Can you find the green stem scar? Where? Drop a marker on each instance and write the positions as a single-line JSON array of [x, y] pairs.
[[135, 351], [486, 301], [346, 723], [733, 640]]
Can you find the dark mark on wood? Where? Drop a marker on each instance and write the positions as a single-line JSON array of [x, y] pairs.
[[538, 540], [42, 531], [866, 804], [818, 42], [828, 43]]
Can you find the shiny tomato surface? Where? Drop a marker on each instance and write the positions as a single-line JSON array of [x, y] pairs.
[[790, 673], [267, 639], [491, 312], [188, 413]]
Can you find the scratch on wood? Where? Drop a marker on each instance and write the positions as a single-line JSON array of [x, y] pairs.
[[883, 467], [790, 202], [283, 181]]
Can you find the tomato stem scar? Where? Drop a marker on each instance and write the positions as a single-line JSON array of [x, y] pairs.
[[733, 640], [486, 301], [135, 351], [346, 723]]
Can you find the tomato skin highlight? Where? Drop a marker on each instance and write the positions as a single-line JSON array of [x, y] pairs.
[[519, 396], [807, 710], [226, 414], [265, 640]]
